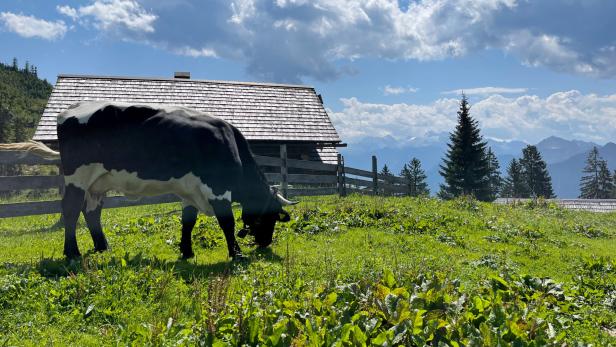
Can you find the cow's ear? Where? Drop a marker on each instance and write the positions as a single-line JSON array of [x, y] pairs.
[[284, 216]]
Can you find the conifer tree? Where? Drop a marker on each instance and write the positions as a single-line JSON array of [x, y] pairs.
[[465, 167], [15, 66], [536, 174], [515, 186], [495, 180], [385, 171], [613, 196], [589, 183], [606, 184], [415, 177]]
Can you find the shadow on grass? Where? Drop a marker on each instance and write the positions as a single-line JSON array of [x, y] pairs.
[[189, 270], [58, 225]]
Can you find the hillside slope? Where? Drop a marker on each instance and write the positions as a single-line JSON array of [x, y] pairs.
[[22, 100]]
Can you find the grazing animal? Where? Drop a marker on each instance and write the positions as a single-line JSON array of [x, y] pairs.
[[144, 150]]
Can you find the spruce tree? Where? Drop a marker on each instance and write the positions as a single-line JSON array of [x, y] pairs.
[[15, 66], [536, 174], [495, 180], [385, 171], [465, 167], [515, 185], [415, 177], [589, 183], [606, 184], [613, 196]]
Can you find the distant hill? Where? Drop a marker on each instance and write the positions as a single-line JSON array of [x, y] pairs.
[[555, 149], [565, 158], [23, 97]]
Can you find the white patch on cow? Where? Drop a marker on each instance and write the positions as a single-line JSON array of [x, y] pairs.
[[95, 180], [82, 111]]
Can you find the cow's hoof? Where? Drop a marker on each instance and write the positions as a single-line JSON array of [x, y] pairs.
[[101, 248]]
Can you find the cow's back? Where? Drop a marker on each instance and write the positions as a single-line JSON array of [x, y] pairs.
[[156, 143]]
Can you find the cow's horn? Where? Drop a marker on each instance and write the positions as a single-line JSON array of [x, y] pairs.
[[285, 201]]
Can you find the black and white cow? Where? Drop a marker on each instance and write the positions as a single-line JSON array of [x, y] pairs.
[[144, 150]]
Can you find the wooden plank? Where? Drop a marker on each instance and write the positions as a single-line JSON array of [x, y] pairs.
[[21, 209], [357, 172], [311, 165], [312, 191], [366, 191], [25, 158], [392, 179], [305, 178], [394, 188], [358, 182], [275, 178], [267, 161], [295, 163], [29, 182]]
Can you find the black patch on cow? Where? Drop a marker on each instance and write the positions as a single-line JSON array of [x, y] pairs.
[[156, 144]]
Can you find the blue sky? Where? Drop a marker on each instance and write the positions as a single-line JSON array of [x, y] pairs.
[[385, 68]]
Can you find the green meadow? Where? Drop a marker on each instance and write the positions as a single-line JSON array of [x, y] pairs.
[[354, 271]]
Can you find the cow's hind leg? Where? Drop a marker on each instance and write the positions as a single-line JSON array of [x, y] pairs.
[[72, 202], [224, 215], [189, 218], [93, 220]]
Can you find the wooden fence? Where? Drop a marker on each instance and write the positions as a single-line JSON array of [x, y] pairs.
[[316, 179]]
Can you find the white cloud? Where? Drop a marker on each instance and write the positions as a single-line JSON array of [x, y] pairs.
[[29, 26], [68, 11], [288, 40], [391, 90], [529, 118], [487, 91], [196, 53], [113, 15]]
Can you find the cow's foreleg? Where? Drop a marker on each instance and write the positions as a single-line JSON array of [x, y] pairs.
[[72, 202], [93, 220], [189, 218], [224, 215]]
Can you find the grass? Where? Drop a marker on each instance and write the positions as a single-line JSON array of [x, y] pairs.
[[347, 271]]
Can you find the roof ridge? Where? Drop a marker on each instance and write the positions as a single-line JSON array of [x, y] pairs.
[[258, 84]]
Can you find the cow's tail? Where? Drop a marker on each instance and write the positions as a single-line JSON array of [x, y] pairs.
[[34, 147]]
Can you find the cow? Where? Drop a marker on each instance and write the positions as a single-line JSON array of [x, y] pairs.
[[145, 150]]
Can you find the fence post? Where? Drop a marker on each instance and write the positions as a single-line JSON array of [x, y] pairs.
[[375, 177], [283, 170], [340, 174]]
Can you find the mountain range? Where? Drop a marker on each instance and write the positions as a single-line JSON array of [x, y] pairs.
[[565, 158]]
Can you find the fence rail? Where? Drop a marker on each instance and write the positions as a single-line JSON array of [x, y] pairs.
[[319, 179]]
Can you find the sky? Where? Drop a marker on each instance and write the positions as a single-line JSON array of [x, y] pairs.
[[385, 68]]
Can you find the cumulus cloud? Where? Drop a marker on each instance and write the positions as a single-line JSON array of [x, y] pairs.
[[391, 90], [487, 91], [288, 40], [113, 15], [29, 26], [529, 118]]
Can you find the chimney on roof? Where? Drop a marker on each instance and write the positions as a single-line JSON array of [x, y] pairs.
[[182, 74]]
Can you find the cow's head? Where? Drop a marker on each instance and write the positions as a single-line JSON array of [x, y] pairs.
[[260, 223]]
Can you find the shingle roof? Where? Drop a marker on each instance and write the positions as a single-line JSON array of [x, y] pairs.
[[261, 111]]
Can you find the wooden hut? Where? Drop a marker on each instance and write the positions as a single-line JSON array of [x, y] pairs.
[[273, 117]]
